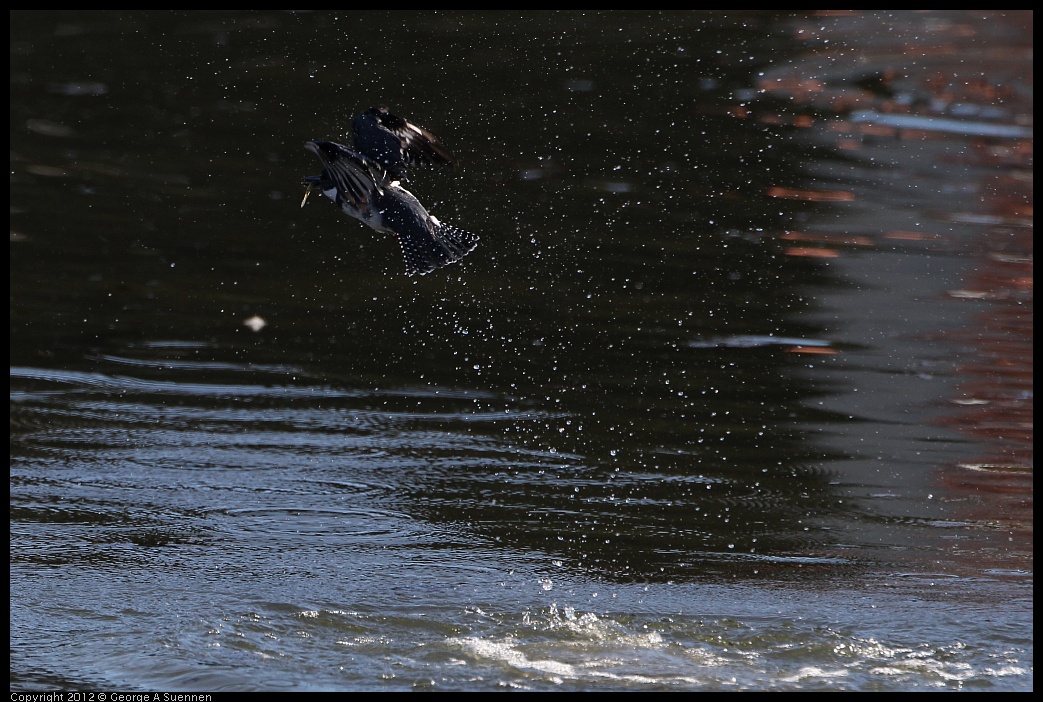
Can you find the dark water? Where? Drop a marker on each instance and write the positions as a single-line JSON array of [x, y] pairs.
[[735, 393]]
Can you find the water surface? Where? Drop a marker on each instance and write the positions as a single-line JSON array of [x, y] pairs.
[[735, 392]]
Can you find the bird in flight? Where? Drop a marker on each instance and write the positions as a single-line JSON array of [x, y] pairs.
[[366, 183]]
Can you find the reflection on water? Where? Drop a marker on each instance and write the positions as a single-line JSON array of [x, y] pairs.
[[736, 394], [955, 143]]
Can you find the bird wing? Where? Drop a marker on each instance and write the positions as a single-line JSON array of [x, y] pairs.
[[419, 146], [357, 179]]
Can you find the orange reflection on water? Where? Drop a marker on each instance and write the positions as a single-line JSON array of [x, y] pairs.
[[912, 236], [824, 238], [965, 80], [993, 400], [811, 195], [820, 350], [809, 252]]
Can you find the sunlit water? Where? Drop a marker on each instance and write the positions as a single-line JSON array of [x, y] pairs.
[[734, 401], [244, 536]]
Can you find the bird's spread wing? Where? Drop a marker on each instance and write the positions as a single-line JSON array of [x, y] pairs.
[[357, 179], [418, 145]]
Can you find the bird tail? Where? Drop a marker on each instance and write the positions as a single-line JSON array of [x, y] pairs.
[[446, 245]]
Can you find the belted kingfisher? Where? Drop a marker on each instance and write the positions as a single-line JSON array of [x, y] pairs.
[[365, 184]]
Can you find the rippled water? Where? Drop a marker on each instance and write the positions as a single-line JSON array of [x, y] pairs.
[[208, 537], [735, 393]]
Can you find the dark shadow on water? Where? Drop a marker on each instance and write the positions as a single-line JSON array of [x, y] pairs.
[[634, 290]]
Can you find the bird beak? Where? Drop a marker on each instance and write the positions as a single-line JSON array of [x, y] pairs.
[[307, 191]]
